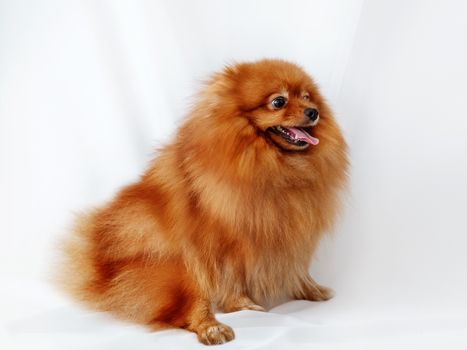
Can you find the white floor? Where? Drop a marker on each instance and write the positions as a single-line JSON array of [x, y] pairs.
[[43, 320]]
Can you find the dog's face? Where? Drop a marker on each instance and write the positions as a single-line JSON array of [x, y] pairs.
[[281, 100], [288, 118]]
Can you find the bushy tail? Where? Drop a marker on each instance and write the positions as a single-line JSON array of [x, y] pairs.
[[74, 270]]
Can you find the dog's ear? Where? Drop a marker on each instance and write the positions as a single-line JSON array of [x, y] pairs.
[[216, 87]]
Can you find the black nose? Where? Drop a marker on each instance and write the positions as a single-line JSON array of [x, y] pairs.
[[311, 113]]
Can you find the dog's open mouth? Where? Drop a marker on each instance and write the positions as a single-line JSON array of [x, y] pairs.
[[298, 136]]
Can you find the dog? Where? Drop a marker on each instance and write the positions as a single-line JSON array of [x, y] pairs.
[[227, 215]]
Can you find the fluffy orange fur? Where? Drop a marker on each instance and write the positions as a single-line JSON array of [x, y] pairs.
[[227, 215]]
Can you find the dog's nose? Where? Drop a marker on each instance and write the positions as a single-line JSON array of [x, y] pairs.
[[311, 113]]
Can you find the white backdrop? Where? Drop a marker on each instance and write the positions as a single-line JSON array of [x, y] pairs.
[[89, 88]]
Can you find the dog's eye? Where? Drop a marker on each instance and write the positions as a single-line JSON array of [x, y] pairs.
[[279, 102], [306, 97]]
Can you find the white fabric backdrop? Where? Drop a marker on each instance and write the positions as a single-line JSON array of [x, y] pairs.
[[89, 88]]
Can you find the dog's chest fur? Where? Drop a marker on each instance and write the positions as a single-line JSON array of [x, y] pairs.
[[266, 238]]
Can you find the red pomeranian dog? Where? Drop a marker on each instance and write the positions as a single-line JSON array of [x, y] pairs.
[[228, 214]]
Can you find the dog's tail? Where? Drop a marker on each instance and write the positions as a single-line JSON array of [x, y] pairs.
[[74, 271]]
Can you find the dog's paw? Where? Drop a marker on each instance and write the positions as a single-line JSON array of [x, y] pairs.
[[253, 307], [319, 293], [239, 304], [314, 292], [325, 293], [216, 333]]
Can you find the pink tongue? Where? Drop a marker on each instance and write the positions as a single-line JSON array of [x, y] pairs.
[[302, 135]]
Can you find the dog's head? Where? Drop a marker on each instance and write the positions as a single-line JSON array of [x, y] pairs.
[[279, 99]]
